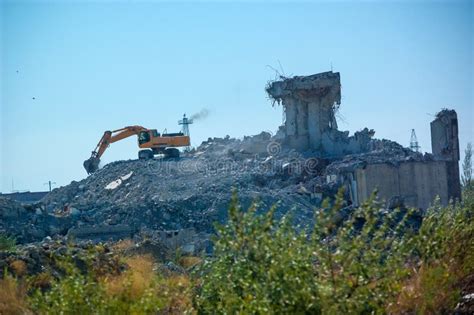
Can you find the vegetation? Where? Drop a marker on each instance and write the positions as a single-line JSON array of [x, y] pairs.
[[261, 265], [372, 262], [7, 243], [138, 290], [466, 178]]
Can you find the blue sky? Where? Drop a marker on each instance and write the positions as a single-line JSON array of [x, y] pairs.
[[93, 66]]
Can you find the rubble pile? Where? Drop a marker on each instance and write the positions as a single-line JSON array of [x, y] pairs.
[[29, 223], [175, 194], [126, 198], [381, 151]]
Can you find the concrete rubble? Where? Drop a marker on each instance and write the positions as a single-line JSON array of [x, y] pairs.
[[191, 193]]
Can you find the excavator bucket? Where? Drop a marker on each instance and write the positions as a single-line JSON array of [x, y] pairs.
[[91, 165]]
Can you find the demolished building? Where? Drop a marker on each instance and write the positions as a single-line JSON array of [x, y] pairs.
[[310, 104], [445, 147], [412, 179]]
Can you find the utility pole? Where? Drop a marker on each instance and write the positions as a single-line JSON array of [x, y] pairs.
[[50, 183], [185, 122], [414, 142]]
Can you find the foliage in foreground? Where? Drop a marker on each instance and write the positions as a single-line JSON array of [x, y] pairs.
[[372, 263], [137, 290], [260, 265]]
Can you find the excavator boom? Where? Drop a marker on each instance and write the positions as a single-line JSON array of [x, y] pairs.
[[92, 164]]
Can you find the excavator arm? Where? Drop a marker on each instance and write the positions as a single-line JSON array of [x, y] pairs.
[[92, 164]]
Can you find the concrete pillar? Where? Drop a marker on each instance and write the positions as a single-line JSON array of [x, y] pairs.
[[314, 131], [325, 113], [290, 110], [301, 118]]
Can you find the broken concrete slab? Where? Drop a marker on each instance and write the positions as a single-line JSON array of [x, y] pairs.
[[101, 232]]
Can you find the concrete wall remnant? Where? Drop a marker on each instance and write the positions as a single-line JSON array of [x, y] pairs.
[[101, 232], [417, 179], [445, 147], [26, 197], [417, 183]]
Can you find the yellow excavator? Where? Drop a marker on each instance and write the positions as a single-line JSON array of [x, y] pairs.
[[149, 140]]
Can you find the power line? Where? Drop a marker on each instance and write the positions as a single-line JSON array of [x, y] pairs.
[[50, 183]]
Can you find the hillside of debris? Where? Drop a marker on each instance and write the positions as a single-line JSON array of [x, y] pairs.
[[128, 197]]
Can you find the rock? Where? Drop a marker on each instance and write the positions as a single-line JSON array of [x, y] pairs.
[[74, 212], [175, 268], [188, 249]]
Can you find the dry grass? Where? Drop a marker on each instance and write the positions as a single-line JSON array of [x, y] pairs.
[[41, 281], [18, 267], [123, 245], [189, 261], [12, 297], [430, 290], [141, 279], [133, 282]]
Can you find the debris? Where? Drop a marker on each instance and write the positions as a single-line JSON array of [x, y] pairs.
[[118, 182]]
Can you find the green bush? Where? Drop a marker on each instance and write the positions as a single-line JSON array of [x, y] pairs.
[[443, 250], [7, 243], [138, 290], [360, 262], [368, 264], [261, 266]]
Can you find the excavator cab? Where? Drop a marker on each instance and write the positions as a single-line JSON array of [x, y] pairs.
[[147, 135], [143, 137]]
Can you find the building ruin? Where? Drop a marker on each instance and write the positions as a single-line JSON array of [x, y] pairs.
[[310, 104], [445, 147], [414, 180]]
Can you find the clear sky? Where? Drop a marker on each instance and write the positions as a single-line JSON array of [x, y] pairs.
[[70, 70]]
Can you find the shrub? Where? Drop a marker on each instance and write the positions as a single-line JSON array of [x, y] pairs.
[[7, 243], [430, 290], [19, 267], [138, 290], [261, 266], [373, 262], [40, 281], [444, 251], [12, 296], [123, 245], [360, 262], [188, 262]]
